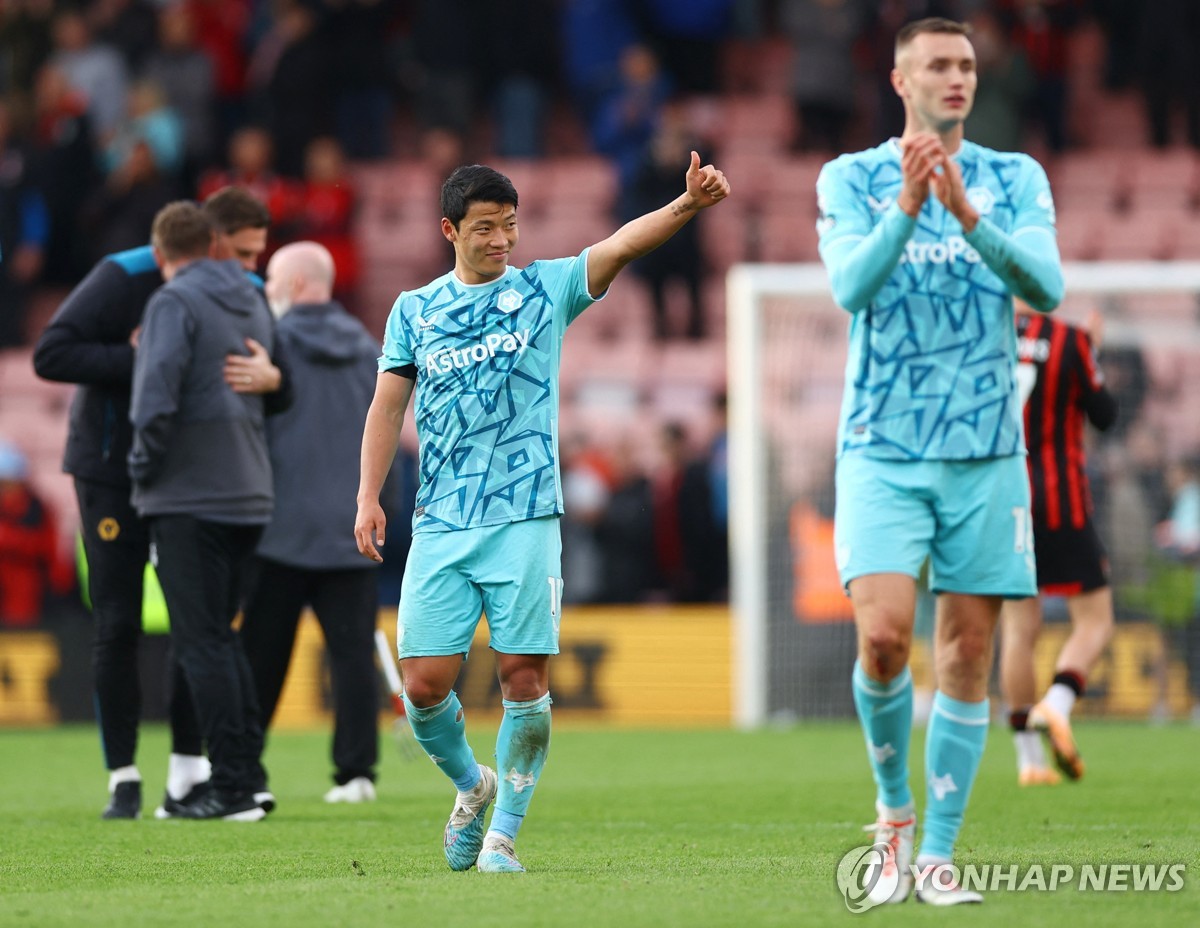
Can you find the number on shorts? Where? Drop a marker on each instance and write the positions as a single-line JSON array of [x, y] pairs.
[[1023, 524]]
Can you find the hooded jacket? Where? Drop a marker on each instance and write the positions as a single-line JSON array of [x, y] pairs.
[[315, 445], [199, 448]]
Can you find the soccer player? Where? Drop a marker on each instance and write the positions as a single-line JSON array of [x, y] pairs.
[[1063, 385], [927, 238], [480, 345], [91, 341]]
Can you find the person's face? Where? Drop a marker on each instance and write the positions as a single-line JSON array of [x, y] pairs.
[[245, 246], [935, 77], [483, 241]]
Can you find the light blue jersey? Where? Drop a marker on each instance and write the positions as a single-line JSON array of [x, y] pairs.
[[487, 360], [932, 355]]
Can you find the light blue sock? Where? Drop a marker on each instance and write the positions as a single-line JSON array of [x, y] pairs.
[[953, 748], [440, 730], [885, 711], [521, 747]]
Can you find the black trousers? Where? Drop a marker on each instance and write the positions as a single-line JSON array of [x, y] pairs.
[[117, 545], [345, 602], [200, 566]]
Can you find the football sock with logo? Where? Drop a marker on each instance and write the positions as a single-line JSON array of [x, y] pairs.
[[440, 730], [885, 711], [953, 748], [521, 747]]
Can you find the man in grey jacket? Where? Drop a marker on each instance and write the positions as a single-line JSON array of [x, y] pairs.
[[202, 480], [306, 556]]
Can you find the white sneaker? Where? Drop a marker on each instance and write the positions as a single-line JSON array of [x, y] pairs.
[[894, 883], [360, 789]]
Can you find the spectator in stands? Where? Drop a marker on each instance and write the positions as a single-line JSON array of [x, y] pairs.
[[251, 160], [24, 43], [523, 68], [628, 118], [594, 34], [823, 33], [151, 121], [674, 578], [1169, 68], [680, 259], [447, 41], [66, 168], [1179, 539], [625, 531], [291, 78], [30, 563], [1005, 86], [585, 478], [704, 514], [187, 78], [687, 34], [129, 26], [222, 28], [306, 558], [115, 216], [24, 232], [1042, 30], [362, 79], [93, 69], [325, 206]]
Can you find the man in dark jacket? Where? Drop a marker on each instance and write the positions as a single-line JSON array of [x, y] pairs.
[[90, 342], [202, 480], [306, 556]]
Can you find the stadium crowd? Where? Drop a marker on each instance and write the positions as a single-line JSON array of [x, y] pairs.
[[111, 108]]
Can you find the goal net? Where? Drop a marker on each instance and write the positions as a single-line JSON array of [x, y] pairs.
[[794, 635]]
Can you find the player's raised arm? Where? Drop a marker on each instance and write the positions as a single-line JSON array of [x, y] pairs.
[[706, 186], [381, 437]]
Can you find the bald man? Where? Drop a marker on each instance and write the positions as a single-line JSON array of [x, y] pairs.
[[308, 555]]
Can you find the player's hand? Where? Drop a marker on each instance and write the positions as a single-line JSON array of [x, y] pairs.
[[921, 155], [252, 373], [370, 530], [947, 185], [705, 185]]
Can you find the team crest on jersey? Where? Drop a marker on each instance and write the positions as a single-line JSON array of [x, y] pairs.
[[982, 199], [108, 529], [1046, 201], [510, 301]]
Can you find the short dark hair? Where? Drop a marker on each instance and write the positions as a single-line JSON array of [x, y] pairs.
[[474, 183], [935, 24], [182, 230], [235, 208]]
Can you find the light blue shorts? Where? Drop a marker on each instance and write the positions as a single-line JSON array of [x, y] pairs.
[[970, 518], [512, 572]]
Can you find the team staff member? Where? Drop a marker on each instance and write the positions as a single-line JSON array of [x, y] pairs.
[[91, 341]]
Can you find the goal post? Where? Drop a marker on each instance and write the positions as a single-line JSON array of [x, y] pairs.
[[793, 634]]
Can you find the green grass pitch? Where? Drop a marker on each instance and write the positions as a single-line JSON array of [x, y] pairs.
[[712, 828]]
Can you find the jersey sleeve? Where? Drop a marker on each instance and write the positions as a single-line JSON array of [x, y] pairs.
[[566, 283], [859, 254], [397, 339], [1098, 402], [1026, 258]]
